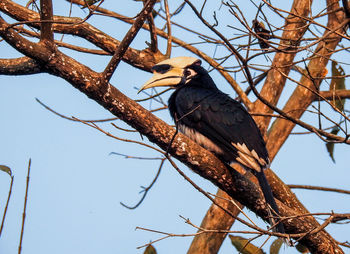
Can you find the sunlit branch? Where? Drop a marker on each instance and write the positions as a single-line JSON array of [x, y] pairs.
[[19, 66], [169, 45], [7, 204], [337, 94], [309, 187], [128, 38], [192, 49], [24, 208], [46, 14]]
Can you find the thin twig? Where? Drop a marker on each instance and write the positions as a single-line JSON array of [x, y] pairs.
[[74, 119], [309, 187], [7, 204], [168, 48], [93, 125], [153, 33], [187, 221], [236, 205], [24, 208], [146, 189], [122, 129], [136, 157]]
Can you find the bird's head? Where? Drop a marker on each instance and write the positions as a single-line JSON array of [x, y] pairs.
[[173, 72]]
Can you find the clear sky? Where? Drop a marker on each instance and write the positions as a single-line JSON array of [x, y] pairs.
[[76, 186]]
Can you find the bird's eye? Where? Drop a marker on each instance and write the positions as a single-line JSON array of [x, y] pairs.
[[187, 72], [161, 68]]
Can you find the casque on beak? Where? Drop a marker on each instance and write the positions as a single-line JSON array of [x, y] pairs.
[[169, 72]]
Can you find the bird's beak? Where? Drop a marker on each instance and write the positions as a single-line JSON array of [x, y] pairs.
[[171, 78]]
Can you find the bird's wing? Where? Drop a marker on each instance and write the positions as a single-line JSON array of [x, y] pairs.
[[225, 122], [229, 131]]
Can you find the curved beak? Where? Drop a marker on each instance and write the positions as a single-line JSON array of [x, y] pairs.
[[172, 77]]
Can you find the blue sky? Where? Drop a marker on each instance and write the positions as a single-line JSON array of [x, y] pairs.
[[76, 186]]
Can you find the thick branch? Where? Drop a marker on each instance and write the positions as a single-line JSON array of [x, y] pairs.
[[140, 59], [330, 95], [19, 66], [46, 16]]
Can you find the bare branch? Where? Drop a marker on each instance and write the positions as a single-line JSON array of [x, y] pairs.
[[296, 105], [146, 189], [187, 46], [124, 45], [71, 118], [338, 94], [46, 14], [76, 27], [168, 48], [19, 66], [7, 205], [152, 30], [24, 208], [293, 31], [309, 187]]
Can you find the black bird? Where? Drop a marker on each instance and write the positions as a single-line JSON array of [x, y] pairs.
[[263, 33], [213, 119]]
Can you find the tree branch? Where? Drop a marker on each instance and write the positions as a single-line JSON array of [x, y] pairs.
[[309, 187], [19, 66], [129, 37], [295, 28], [140, 59], [302, 96], [185, 45], [46, 15], [168, 23], [331, 95]]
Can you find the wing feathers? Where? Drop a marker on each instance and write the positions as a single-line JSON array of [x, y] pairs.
[[249, 158], [225, 123]]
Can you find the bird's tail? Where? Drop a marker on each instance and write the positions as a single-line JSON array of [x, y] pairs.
[[266, 189]]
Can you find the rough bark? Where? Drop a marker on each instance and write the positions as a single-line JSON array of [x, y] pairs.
[[19, 66]]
